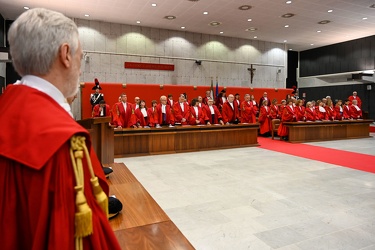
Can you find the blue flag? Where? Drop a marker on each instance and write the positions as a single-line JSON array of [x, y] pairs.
[[217, 88]]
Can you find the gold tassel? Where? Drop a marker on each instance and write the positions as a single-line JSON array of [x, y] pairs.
[[100, 196], [83, 215]]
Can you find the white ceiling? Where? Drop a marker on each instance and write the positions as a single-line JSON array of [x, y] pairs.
[[346, 19]]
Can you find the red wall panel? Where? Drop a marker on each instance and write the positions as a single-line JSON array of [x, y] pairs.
[[149, 92]]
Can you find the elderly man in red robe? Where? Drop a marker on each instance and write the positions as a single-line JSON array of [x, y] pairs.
[[51, 181], [230, 111]]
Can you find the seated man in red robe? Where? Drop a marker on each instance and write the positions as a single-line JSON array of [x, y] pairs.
[[310, 113], [51, 180]]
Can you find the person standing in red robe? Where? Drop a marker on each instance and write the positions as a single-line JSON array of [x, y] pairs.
[[153, 114], [355, 110], [101, 110], [264, 119], [288, 115], [181, 111], [248, 111], [164, 111], [355, 97], [346, 110], [197, 114], [47, 200], [213, 113], [125, 113], [230, 111], [274, 110]]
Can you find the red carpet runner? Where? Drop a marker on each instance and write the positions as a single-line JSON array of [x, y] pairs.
[[347, 159]]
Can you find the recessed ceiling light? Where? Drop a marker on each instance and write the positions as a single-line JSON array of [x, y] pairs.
[[286, 26], [170, 17], [288, 15], [26, 8], [221, 32], [87, 15], [153, 4], [318, 31], [312, 44], [183, 27], [290, 49], [330, 11], [324, 22], [252, 29], [285, 41], [255, 37], [214, 23], [205, 13], [365, 18], [245, 7], [249, 20], [138, 21], [193, 0], [288, 2]]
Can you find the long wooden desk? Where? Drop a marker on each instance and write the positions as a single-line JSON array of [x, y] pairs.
[[142, 224], [144, 141], [328, 130]]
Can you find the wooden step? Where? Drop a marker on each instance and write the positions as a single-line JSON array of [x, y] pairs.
[[142, 223]]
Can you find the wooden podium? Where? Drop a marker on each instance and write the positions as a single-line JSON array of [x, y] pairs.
[[101, 137]]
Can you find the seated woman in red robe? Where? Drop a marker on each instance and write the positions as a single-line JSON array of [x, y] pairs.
[[288, 115], [264, 119], [355, 110], [321, 111], [339, 110], [331, 113], [299, 109], [346, 110], [310, 113]]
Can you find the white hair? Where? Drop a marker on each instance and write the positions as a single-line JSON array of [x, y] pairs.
[[35, 39]]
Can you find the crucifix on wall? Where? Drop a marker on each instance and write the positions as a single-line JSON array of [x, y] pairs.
[[252, 73]]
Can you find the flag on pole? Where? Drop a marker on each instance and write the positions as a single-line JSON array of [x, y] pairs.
[[217, 88], [212, 88]]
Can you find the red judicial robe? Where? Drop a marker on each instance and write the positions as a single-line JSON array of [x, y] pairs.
[[359, 101], [274, 113], [261, 102], [179, 114], [202, 118], [140, 119], [311, 114], [322, 114], [339, 112], [217, 115], [37, 182], [331, 113], [248, 112], [264, 120], [125, 118], [230, 114], [355, 112], [169, 118], [300, 113], [96, 111], [346, 112], [152, 113], [287, 116]]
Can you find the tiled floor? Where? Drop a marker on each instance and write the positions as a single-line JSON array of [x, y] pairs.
[[250, 198]]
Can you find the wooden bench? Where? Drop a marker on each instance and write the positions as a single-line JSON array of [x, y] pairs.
[[275, 126], [142, 224], [145, 141], [328, 130]]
